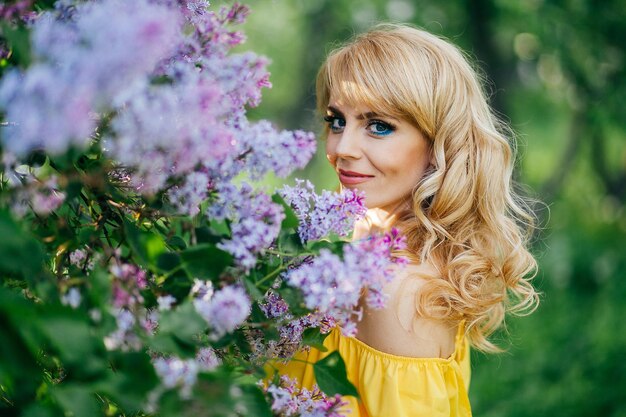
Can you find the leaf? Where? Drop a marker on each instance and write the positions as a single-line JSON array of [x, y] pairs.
[[18, 39], [79, 401], [80, 350], [133, 378], [331, 376], [176, 242], [219, 228], [289, 241], [335, 247], [205, 261], [252, 289], [178, 330], [253, 402], [20, 253], [290, 220], [146, 245], [313, 337]]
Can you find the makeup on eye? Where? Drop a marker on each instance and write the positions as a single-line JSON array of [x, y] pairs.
[[380, 128], [337, 122]]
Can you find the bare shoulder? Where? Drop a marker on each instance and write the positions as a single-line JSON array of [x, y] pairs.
[[398, 329]]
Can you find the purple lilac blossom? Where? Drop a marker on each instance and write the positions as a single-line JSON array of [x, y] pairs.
[[43, 197], [72, 298], [288, 400], [81, 64], [183, 373], [228, 308], [332, 286], [255, 221], [177, 373], [128, 280], [277, 152], [124, 337], [324, 214], [188, 196]]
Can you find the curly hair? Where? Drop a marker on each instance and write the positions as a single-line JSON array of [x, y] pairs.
[[464, 218]]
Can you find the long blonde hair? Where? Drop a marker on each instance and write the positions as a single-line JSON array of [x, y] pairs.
[[466, 220]]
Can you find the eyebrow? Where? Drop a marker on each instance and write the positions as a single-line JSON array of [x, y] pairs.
[[362, 116]]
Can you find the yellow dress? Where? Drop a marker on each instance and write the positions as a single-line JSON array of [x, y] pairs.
[[394, 386]]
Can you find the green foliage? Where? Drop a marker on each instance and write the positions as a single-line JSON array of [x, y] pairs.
[[330, 374]]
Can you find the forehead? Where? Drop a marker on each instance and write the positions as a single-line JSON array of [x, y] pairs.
[[349, 96]]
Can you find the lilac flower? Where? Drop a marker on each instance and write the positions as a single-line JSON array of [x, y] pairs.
[[165, 302], [82, 64], [332, 286], [288, 400], [128, 281], [274, 306], [71, 298], [124, 337], [322, 215], [175, 372], [43, 197], [277, 152], [226, 310], [255, 221], [187, 197], [183, 374], [84, 259], [207, 359]]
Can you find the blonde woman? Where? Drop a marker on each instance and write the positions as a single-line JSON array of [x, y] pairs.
[[408, 123]]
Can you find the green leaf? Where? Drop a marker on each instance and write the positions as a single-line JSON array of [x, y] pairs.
[[205, 261], [20, 253], [335, 247], [252, 289], [331, 376], [18, 39], [146, 245], [253, 402], [79, 349], [78, 400], [289, 241], [313, 338], [178, 330], [219, 228], [176, 242], [132, 378], [290, 220]]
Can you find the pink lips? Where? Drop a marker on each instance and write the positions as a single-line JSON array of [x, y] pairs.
[[352, 178]]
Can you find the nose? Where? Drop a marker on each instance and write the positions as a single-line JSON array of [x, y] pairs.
[[346, 145]]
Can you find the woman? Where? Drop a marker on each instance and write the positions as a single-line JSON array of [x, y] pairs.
[[408, 123]]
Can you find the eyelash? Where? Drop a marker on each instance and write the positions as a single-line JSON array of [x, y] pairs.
[[390, 128]]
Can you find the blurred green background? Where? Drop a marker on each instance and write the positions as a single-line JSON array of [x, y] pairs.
[[556, 72]]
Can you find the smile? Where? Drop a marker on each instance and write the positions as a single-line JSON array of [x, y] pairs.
[[351, 177]]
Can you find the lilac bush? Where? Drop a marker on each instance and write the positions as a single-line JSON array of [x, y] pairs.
[[141, 271]]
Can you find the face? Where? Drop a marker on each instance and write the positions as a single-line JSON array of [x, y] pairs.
[[380, 155]]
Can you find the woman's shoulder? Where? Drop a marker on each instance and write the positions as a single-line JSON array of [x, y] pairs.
[[398, 329]]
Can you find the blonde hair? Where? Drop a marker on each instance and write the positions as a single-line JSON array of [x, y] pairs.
[[466, 220]]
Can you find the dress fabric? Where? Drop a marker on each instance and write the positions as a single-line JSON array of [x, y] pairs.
[[390, 385]]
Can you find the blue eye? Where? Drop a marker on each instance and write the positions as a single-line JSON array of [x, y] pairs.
[[336, 124], [379, 128]]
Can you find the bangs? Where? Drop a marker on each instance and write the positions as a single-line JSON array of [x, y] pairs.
[[352, 76]]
